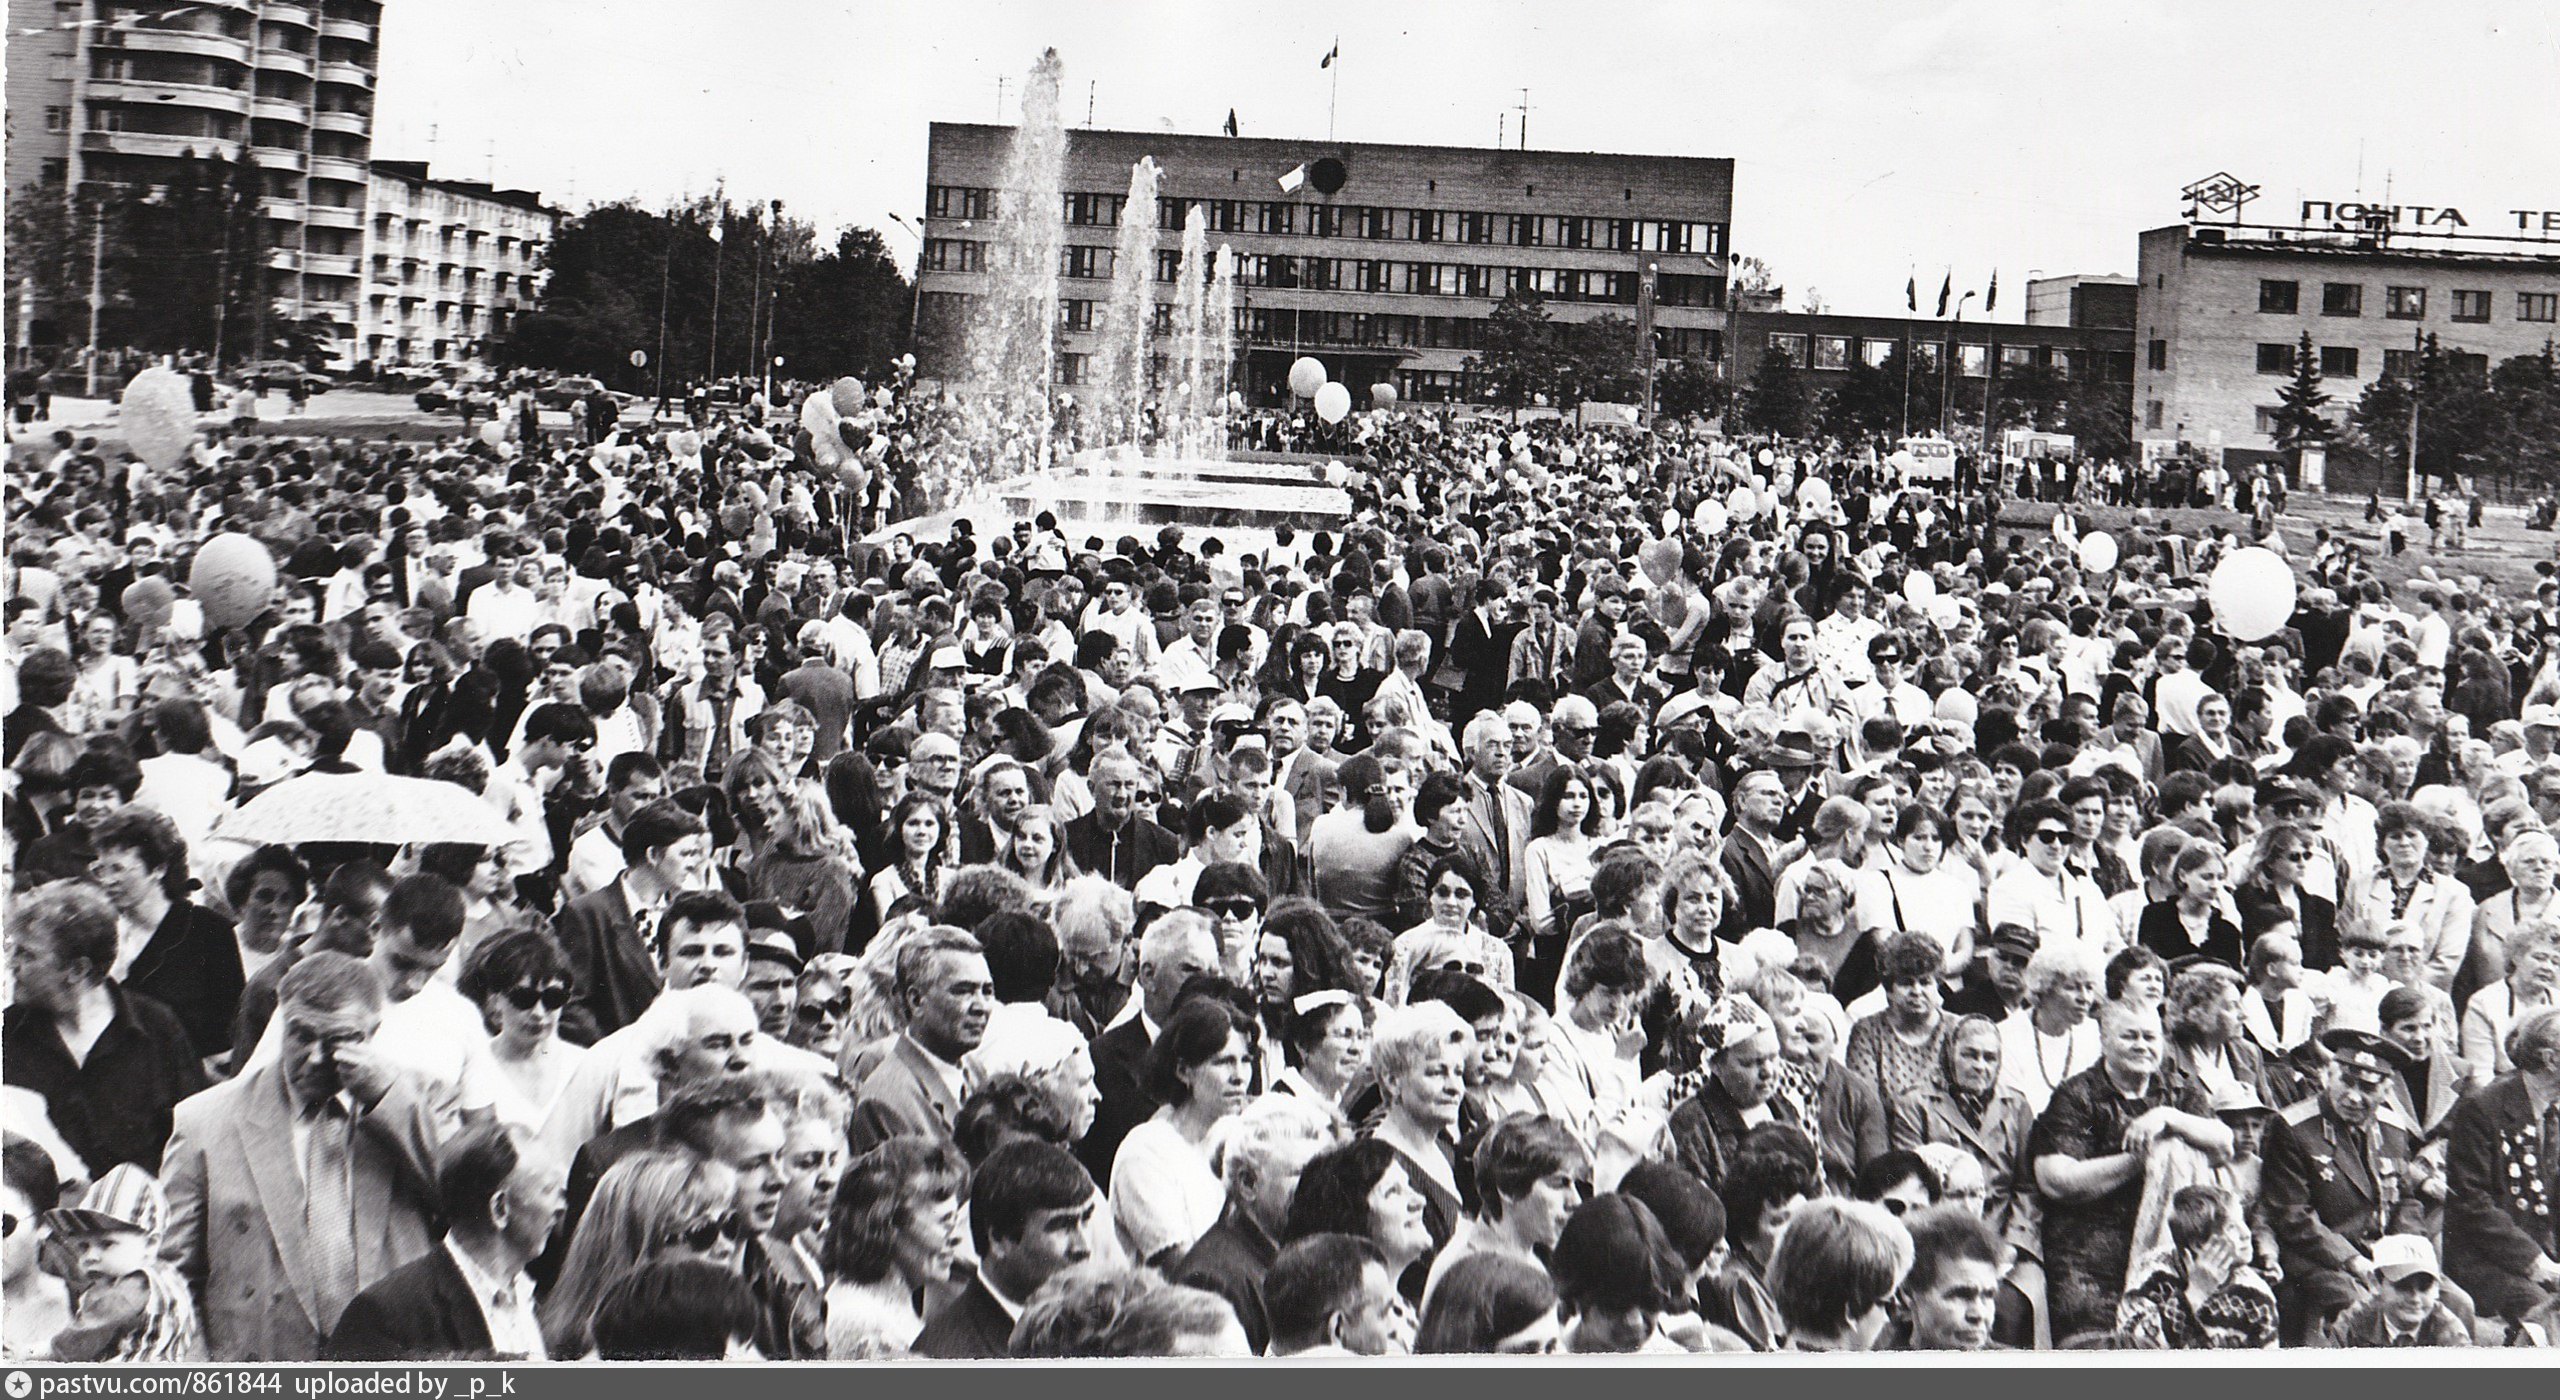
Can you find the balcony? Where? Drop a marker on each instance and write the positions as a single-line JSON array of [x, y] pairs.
[[299, 16], [344, 123], [275, 60], [315, 309], [333, 216], [281, 109], [203, 96], [193, 43], [354, 31], [277, 158], [284, 259], [346, 75], [328, 265], [337, 168], [153, 143]]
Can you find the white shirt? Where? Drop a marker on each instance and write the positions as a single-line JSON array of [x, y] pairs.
[[504, 610], [2065, 907], [506, 1305]]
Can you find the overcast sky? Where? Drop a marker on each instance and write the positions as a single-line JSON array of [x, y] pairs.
[[1872, 137]]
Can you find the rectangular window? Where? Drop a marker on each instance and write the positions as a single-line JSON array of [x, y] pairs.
[[2400, 364], [1831, 352], [2275, 357], [1376, 222], [1083, 262], [1925, 355], [2404, 303], [2471, 306], [1875, 352], [2266, 421], [1373, 276], [954, 255], [2151, 413], [1525, 231], [1423, 225], [2279, 298], [956, 202], [1324, 221], [2538, 306], [2159, 354], [2341, 298], [57, 120], [2017, 357], [1095, 210], [1071, 367], [1475, 228], [1423, 279], [1790, 345], [1473, 280], [1075, 315], [1277, 217], [2338, 361], [1618, 235], [1973, 361]]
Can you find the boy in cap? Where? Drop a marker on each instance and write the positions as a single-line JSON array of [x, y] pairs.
[[2407, 1309], [128, 1304]]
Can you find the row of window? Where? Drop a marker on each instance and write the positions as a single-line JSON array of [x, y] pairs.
[[1094, 263], [2279, 297], [1289, 326], [1840, 352], [1370, 221]]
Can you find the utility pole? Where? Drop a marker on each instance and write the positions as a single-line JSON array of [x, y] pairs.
[[666, 276], [719, 250], [1645, 332], [98, 294], [2417, 390], [764, 348]]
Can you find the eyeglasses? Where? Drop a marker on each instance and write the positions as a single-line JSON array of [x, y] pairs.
[[812, 1012], [1238, 908], [550, 996], [703, 1236], [2051, 834]]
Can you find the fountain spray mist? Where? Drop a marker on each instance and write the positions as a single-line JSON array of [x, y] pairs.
[[1130, 320], [1013, 343]]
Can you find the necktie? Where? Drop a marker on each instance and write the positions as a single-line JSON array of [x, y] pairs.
[[1501, 830], [328, 1211], [716, 752]]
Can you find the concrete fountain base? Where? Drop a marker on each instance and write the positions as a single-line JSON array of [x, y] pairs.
[[1109, 493]]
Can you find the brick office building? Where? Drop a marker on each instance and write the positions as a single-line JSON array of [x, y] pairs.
[[1385, 260]]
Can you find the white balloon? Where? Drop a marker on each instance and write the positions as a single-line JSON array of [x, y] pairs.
[[1767, 457], [1814, 494], [1333, 402], [1919, 587], [158, 416], [1306, 375], [1711, 517], [2097, 551], [1944, 610], [2253, 593], [1743, 504]]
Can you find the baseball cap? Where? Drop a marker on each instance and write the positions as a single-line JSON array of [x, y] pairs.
[[947, 659], [1230, 713], [775, 946], [1197, 684], [2541, 717], [126, 1198], [2402, 1257]]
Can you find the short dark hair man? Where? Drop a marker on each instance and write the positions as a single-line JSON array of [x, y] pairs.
[[1032, 1211], [1954, 1285], [469, 1298]]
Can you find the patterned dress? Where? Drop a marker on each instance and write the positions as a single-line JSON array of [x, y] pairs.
[[2089, 1244]]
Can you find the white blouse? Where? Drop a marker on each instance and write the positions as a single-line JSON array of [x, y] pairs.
[[1163, 1193]]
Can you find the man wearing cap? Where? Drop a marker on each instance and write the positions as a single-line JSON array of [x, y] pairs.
[[2339, 1174], [773, 979], [2407, 1307], [2541, 737]]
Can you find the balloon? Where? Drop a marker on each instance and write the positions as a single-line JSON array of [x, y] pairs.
[[1306, 375], [685, 444], [1743, 503], [1335, 474], [849, 434], [1767, 457], [148, 601], [2252, 591], [846, 395], [1660, 560], [1944, 610], [494, 432], [884, 398], [1383, 395], [234, 578], [1568, 458], [1759, 482], [1671, 522], [1333, 402], [1918, 587], [159, 416], [1235, 403], [1711, 517], [2097, 551], [1519, 440], [1814, 494]]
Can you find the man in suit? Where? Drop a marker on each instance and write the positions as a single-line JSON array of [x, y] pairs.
[[611, 936], [2502, 1157], [2341, 1171], [1751, 850], [1176, 948], [1301, 772], [690, 1035], [947, 993], [1481, 650], [1498, 815], [1276, 1135], [468, 1298], [1115, 840], [1573, 725], [1032, 1212], [300, 1184]]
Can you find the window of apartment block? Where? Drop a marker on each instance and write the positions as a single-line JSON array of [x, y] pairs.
[[2267, 421], [2471, 306], [2279, 298], [2151, 413], [2404, 303], [1875, 352], [2275, 357], [2341, 298], [2538, 306], [57, 119], [1075, 314], [2338, 361], [2159, 354], [2400, 364], [1475, 228]]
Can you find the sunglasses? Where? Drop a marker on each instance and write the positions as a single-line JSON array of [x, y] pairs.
[[8, 1227], [550, 996], [812, 1012], [2050, 834], [703, 1236], [1234, 908]]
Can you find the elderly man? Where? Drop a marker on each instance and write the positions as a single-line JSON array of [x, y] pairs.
[[1177, 947], [2503, 1178], [300, 1184], [2341, 1171], [468, 1299], [1267, 1146], [1333, 1295], [1571, 728], [1498, 815], [1115, 840], [687, 1036], [947, 993], [1093, 920], [109, 1065]]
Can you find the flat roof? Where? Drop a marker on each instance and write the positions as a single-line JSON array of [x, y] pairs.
[[2311, 243], [1274, 145]]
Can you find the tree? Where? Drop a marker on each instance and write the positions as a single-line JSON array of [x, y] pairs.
[[1813, 303], [1519, 358], [2032, 396], [1749, 274], [2528, 431], [1866, 402], [1777, 400], [2459, 421], [185, 266], [2099, 417], [2299, 421], [1684, 389], [1600, 362]]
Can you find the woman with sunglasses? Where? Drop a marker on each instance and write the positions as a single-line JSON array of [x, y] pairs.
[[649, 1206], [822, 1009], [520, 981]]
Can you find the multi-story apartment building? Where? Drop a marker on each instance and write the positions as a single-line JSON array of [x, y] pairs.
[[448, 264], [1385, 261]]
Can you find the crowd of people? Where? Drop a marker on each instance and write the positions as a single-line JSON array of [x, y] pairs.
[[1611, 894]]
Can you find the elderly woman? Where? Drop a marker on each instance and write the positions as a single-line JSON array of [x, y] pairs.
[[648, 1206], [1835, 1268], [2532, 862], [1329, 1039], [1832, 950], [1095, 921], [1971, 1110], [1421, 1054], [2208, 1039], [2052, 1038], [1165, 1192], [1045, 1053], [2403, 890], [896, 1244], [1738, 1087], [2532, 983], [520, 982], [1896, 1050], [789, 851]]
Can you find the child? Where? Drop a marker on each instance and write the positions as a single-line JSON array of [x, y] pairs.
[[127, 1303], [2276, 1010], [2351, 992]]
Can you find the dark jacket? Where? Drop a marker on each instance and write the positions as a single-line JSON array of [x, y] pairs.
[[1230, 1261], [115, 1106], [971, 1327], [1120, 1075], [613, 970], [423, 1311], [192, 966], [1125, 856], [2498, 1209]]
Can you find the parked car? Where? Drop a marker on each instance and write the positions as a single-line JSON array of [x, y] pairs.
[[437, 397], [282, 374], [567, 389]]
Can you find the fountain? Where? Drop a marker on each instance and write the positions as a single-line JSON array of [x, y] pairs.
[[1134, 465]]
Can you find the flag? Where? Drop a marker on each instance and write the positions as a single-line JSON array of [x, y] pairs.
[[1946, 289], [1231, 121], [1911, 292], [1293, 179], [1331, 54], [1991, 298]]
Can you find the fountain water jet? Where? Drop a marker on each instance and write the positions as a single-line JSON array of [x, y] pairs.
[[1130, 319]]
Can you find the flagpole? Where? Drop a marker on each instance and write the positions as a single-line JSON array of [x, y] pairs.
[[1334, 99]]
